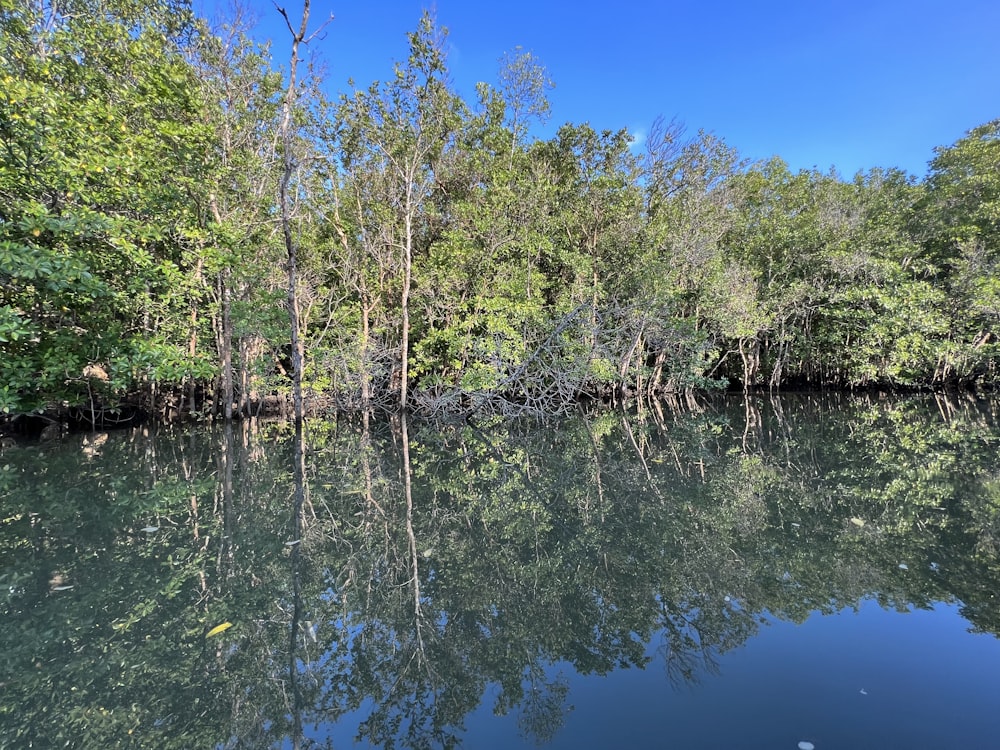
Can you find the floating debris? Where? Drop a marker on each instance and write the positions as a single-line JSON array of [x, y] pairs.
[[805, 745], [796, 525], [292, 543], [61, 588], [150, 529], [904, 566], [859, 522], [935, 567], [863, 691], [218, 629]]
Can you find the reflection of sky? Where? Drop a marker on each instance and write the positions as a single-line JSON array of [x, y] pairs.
[[926, 682]]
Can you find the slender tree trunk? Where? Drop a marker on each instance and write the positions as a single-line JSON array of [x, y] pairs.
[[293, 321], [245, 396], [366, 387], [226, 343], [364, 304], [404, 362], [288, 140], [227, 346], [193, 340]]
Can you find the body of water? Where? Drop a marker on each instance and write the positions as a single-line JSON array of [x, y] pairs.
[[769, 573]]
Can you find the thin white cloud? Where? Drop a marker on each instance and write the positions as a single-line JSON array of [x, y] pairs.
[[638, 138]]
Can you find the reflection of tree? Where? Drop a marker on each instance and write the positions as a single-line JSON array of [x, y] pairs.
[[685, 656], [543, 709], [436, 564], [295, 700]]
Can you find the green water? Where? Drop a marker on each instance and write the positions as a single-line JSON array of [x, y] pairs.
[[756, 574]]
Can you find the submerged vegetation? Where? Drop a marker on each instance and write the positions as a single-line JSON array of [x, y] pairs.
[[157, 176]]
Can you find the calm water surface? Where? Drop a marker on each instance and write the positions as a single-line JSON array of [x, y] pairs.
[[750, 575]]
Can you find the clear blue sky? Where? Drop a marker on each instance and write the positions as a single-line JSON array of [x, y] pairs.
[[844, 83]]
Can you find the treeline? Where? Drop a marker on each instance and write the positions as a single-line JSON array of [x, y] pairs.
[[446, 260]]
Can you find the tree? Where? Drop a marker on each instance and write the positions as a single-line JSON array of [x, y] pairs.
[[394, 137], [284, 204], [104, 152], [240, 94], [523, 82], [704, 299], [960, 219]]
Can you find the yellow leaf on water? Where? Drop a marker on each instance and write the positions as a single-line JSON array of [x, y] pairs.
[[218, 629]]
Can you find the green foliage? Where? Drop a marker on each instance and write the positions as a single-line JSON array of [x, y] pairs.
[[442, 249], [103, 149]]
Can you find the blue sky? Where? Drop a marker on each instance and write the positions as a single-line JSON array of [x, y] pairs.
[[821, 83]]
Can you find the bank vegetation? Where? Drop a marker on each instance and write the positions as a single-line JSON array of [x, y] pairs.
[[177, 208]]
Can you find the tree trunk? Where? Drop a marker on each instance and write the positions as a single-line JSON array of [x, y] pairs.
[[227, 346], [366, 386], [286, 220], [404, 358], [226, 339], [193, 340]]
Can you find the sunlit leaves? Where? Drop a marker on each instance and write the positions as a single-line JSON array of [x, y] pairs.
[[102, 129]]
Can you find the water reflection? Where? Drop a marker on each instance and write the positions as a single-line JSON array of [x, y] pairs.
[[396, 575]]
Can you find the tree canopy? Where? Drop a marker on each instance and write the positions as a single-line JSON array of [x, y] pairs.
[[447, 260]]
